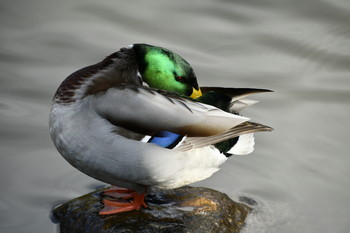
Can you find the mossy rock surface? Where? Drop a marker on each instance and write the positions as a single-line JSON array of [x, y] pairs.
[[185, 209]]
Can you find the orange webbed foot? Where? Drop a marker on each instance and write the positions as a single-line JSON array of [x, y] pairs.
[[122, 200]]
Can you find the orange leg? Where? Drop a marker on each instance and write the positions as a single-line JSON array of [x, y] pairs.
[[123, 200]]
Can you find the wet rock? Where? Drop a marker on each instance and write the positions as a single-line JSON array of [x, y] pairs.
[[185, 209]]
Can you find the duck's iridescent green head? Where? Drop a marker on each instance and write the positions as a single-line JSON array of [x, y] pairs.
[[163, 69]]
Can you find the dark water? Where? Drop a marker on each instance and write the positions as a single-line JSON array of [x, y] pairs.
[[298, 174]]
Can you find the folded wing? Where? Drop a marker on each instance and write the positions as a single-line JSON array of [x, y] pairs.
[[146, 111]]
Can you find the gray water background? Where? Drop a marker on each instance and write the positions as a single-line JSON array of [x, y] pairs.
[[298, 174]]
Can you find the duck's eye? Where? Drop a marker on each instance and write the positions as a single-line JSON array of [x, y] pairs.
[[180, 79]]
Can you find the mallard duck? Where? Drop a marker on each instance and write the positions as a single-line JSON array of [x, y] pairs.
[[138, 120]]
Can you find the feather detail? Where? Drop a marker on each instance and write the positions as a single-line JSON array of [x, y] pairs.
[[237, 95], [116, 69], [244, 128]]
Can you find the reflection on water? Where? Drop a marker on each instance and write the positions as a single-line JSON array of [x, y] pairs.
[[298, 174]]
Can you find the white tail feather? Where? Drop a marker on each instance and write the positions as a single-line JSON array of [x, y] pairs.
[[244, 145], [239, 105]]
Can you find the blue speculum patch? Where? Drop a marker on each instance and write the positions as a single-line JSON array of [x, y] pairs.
[[166, 139]]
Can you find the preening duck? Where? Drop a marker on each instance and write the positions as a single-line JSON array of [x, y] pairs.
[[138, 119]]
